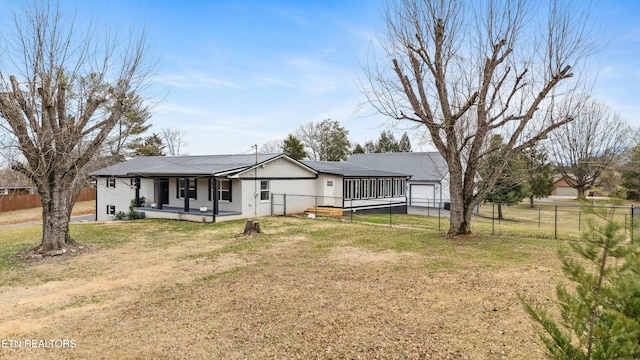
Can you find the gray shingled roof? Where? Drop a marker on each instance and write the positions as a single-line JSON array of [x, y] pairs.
[[422, 166], [184, 165], [349, 169]]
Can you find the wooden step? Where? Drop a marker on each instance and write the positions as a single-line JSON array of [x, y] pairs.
[[324, 211]]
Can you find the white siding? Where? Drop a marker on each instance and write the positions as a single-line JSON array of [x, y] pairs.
[[329, 195], [119, 196]]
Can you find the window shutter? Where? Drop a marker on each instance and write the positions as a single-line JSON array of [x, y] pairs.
[[230, 188], [210, 190], [178, 188]]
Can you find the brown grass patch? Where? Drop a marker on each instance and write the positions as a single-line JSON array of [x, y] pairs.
[[35, 215], [279, 295]]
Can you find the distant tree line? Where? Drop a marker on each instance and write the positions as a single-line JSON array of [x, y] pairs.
[[327, 140]]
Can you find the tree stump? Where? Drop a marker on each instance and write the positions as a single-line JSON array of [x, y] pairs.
[[252, 227]]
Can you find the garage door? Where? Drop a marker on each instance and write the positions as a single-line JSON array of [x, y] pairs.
[[422, 195]]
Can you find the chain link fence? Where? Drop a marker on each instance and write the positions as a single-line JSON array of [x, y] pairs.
[[556, 221]]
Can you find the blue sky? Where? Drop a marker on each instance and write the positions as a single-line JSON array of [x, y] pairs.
[[236, 73]]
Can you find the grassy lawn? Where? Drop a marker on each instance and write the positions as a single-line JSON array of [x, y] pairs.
[[543, 221], [303, 289]]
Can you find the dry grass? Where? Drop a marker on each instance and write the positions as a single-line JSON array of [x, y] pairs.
[[35, 215], [304, 289]]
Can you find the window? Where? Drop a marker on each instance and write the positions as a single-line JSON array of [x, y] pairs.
[[387, 187], [111, 183], [111, 209], [372, 188], [348, 189], [356, 189], [365, 189], [224, 190], [329, 183], [193, 188], [264, 190]]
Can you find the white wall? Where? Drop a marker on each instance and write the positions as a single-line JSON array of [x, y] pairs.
[[120, 196], [329, 196]]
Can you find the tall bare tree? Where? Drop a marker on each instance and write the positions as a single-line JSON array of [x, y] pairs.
[[468, 70], [174, 140], [66, 90], [589, 146]]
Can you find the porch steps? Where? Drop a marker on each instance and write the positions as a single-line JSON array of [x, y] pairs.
[[324, 211]]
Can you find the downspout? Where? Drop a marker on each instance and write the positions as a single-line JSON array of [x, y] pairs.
[[96, 202]]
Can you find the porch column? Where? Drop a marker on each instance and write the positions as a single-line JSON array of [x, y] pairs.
[[186, 194], [136, 182], [215, 195]]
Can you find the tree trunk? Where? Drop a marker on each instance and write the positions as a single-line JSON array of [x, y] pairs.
[[581, 190], [460, 215], [531, 204], [461, 209], [56, 210], [252, 227], [500, 211]]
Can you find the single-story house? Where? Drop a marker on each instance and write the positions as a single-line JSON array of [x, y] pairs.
[[13, 184], [214, 188], [428, 185], [358, 188], [562, 188]]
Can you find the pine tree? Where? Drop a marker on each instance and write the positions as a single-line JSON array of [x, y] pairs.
[[511, 186], [539, 174], [293, 147], [601, 317]]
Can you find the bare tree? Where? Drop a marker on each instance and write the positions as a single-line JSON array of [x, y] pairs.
[[590, 146], [466, 71], [325, 140], [272, 147], [174, 140], [67, 90]]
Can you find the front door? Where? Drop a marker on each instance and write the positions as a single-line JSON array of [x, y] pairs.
[[164, 191]]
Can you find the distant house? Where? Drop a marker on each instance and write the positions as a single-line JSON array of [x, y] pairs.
[[428, 185], [562, 188], [13, 183], [215, 188]]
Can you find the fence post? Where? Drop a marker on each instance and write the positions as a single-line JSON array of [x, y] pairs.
[[284, 198], [316, 208], [555, 224], [439, 230], [273, 200], [632, 208], [493, 218], [580, 220], [390, 222], [351, 210]]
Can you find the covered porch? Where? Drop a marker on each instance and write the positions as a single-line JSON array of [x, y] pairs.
[[197, 215]]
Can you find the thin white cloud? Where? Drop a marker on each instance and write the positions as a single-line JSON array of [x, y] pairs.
[[194, 81], [273, 81]]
